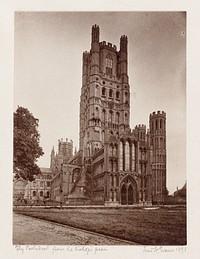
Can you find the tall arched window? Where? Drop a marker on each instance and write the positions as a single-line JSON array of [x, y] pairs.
[[117, 118], [126, 97], [117, 95], [110, 116], [104, 116], [120, 156], [97, 112], [104, 91], [110, 93], [133, 157], [127, 156], [109, 65]]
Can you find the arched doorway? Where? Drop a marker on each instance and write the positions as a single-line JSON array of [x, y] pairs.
[[128, 191]]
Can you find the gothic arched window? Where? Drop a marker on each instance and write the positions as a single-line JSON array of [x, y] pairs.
[[117, 118], [120, 156], [104, 91], [133, 157], [109, 65], [126, 97], [127, 156], [103, 116], [110, 116], [110, 93], [97, 112]]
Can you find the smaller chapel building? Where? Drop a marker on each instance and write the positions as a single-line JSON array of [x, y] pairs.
[[36, 192]]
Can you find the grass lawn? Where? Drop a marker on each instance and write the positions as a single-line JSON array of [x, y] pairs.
[[165, 226]]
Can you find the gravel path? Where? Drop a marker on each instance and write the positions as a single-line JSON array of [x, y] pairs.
[[30, 231]]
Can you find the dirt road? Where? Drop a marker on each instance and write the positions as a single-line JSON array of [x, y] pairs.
[[30, 231]]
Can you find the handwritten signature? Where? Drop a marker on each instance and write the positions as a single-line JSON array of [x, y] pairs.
[[161, 249]]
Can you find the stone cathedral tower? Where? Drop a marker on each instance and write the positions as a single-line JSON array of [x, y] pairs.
[[116, 164], [105, 96]]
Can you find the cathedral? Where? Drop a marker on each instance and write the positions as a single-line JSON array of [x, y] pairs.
[[115, 165]]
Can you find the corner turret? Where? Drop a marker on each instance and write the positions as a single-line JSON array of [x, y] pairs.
[[123, 58], [157, 125], [95, 33]]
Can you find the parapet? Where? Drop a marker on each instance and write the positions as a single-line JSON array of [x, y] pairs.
[[65, 142], [157, 114], [108, 46], [140, 127], [124, 37], [95, 26], [86, 53], [60, 140]]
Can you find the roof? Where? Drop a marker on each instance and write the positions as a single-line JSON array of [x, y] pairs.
[[181, 192], [45, 170], [184, 187]]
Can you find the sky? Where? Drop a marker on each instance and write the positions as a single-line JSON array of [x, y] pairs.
[[48, 49]]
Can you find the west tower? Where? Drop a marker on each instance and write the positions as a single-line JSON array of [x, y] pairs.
[[105, 93], [65, 152]]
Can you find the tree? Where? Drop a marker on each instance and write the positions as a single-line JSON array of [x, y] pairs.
[[26, 144]]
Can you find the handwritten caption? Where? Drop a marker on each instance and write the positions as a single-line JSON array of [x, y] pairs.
[[162, 250], [56, 249], [94, 250]]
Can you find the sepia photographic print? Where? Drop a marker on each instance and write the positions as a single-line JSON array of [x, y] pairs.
[[99, 129]]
